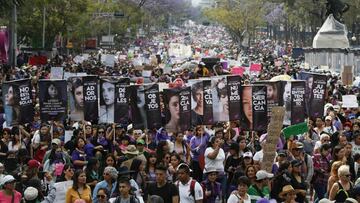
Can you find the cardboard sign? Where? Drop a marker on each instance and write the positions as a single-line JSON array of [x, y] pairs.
[[57, 73], [274, 130], [238, 71], [350, 101], [347, 75]]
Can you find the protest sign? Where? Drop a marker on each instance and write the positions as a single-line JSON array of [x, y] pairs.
[[296, 129], [57, 73], [350, 101], [52, 100]]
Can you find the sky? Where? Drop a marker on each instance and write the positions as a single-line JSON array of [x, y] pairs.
[[195, 2]]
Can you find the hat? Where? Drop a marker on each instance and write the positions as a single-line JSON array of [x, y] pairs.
[[183, 165], [7, 179], [131, 149], [248, 154], [285, 190], [211, 170], [351, 200], [129, 127], [34, 164], [262, 174], [328, 118], [30, 193], [297, 145], [140, 142], [296, 163], [111, 171], [282, 152], [325, 200], [123, 170], [56, 141]]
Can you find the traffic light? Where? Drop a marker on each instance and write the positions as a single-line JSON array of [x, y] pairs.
[[119, 14]]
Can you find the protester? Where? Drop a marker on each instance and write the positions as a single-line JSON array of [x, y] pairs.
[[79, 189]]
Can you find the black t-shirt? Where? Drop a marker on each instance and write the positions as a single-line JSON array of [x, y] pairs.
[[168, 191]]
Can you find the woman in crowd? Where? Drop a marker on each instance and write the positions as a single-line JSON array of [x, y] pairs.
[[110, 176], [198, 147], [8, 192], [15, 143], [288, 194], [181, 148], [333, 175], [139, 175], [79, 189], [102, 196], [240, 195], [341, 190], [67, 173], [175, 161], [232, 162], [322, 170], [78, 156], [212, 188], [297, 181], [250, 172], [92, 172], [338, 154], [150, 167]]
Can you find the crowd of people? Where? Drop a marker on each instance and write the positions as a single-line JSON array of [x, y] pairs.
[[206, 163]]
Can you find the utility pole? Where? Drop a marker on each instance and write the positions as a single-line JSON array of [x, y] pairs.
[[13, 45], [44, 26]]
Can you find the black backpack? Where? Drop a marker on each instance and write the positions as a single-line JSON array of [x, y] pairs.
[[132, 199]]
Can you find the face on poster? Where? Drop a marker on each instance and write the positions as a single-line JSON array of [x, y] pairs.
[[197, 101], [11, 99], [287, 103], [220, 99], [107, 101], [52, 99], [76, 98], [247, 118], [172, 108]]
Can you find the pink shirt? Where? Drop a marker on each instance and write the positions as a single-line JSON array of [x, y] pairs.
[[7, 199]]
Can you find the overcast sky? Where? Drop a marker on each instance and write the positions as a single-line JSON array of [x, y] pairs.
[[195, 2]]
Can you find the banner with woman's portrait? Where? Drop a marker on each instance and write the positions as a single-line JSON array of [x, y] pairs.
[[18, 102], [220, 99], [137, 106], [111, 100], [259, 107], [52, 100], [315, 90], [152, 106], [75, 89], [274, 90], [254, 107], [91, 100], [234, 95], [207, 103], [177, 109]]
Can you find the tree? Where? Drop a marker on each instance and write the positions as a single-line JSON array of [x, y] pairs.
[[238, 17]]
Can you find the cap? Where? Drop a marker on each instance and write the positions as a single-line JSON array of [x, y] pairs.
[[182, 165], [30, 193], [140, 142], [56, 141], [34, 164], [7, 179], [328, 118], [248, 154], [262, 174], [297, 145], [282, 152], [296, 163], [211, 170]]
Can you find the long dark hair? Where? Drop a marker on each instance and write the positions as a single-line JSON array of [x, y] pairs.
[[75, 178]]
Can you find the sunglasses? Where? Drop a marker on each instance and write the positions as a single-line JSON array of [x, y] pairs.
[[101, 196], [101, 132], [348, 176]]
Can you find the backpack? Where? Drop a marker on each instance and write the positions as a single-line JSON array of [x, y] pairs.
[[192, 189], [132, 199]]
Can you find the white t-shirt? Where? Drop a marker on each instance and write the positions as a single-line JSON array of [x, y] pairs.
[[217, 163], [259, 156], [355, 149], [184, 192], [234, 198]]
